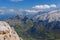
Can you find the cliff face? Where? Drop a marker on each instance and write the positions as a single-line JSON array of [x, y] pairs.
[[7, 33]]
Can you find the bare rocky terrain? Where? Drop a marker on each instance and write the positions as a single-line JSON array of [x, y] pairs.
[[8, 33]]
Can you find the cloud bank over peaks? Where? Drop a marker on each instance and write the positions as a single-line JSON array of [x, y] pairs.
[[7, 11], [32, 11], [45, 6]]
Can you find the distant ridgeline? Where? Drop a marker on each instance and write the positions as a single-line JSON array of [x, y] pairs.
[[41, 26]]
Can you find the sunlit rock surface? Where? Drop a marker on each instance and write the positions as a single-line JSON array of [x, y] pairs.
[[7, 33], [51, 16]]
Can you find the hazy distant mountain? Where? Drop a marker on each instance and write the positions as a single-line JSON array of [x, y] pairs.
[[53, 15], [49, 16]]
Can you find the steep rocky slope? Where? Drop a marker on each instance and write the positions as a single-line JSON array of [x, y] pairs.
[[7, 33]]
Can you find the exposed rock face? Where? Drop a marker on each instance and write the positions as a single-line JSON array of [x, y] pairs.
[[7, 33], [53, 15]]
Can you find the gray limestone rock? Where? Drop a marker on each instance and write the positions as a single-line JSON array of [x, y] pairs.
[[7, 33]]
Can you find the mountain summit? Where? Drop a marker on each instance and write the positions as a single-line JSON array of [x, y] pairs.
[[53, 15]]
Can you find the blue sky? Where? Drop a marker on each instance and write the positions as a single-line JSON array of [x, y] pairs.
[[29, 5]]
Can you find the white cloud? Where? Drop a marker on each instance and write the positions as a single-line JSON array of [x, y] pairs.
[[11, 10], [53, 5], [2, 11], [32, 11], [16, 0], [44, 6]]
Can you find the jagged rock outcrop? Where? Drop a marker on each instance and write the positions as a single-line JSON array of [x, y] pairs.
[[7, 33]]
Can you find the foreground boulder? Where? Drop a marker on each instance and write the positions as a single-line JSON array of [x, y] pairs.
[[7, 33]]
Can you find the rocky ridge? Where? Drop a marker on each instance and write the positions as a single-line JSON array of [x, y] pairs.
[[8, 33]]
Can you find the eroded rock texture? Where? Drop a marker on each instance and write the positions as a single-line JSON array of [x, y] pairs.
[[7, 33]]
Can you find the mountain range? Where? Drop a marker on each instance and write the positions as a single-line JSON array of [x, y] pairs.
[[50, 16], [43, 25]]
